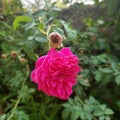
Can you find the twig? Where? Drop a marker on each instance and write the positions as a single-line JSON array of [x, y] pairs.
[[19, 97]]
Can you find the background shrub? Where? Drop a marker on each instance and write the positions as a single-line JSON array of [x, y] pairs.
[[23, 37]]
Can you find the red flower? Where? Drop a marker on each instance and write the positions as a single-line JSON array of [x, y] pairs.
[[55, 73]]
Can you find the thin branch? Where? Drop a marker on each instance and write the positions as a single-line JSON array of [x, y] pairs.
[[19, 97]]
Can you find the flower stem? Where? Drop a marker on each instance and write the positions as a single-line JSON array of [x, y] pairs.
[[15, 107], [48, 30], [19, 97]]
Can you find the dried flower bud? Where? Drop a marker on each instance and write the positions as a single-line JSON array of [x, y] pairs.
[[81, 51], [22, 60], [80, 76], [3, 56], [86, 81], [13, 54], [55, 39]]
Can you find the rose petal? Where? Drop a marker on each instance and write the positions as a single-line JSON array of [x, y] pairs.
[[66, 51], [40, 61]]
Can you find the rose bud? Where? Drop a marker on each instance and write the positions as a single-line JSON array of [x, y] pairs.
[[13, 54], [22, 60], [3, 56], [55, 40]]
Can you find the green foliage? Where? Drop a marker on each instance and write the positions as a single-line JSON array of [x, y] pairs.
[[88, 110], [22, 19], [95, 96], [8, 7]]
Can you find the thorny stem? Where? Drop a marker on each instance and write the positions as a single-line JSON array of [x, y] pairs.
[[19, 97]]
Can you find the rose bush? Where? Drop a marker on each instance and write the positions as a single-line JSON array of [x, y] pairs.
[[55, 73]]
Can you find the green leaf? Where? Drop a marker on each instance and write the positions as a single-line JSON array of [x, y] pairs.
[[88, 108], [77, 107], [84, 82], [96, 1], [102, 118], [102, 107], [66, 105], [98, 76], [41, 39], [20, 19], [108, 112], [92, 99], [53, 112], [100, 44], [89, 116], [3, 117], [75, 115], [118, 103], [71, 34], [103, 58], [107, 118], [29, 47], [65, 113], [95, 61], [117, 79], [82, 115], [25, 93], [113, 65], [98, 112], [107, 77], [70, 100], [29, 25], [59, 30], [56, 9], [41, 26], [21, 115], [106, 70], [17, 79]]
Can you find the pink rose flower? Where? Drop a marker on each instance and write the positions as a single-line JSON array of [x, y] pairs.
[[56, 72]]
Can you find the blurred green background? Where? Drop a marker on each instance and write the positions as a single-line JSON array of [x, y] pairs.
[[92, 31]]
